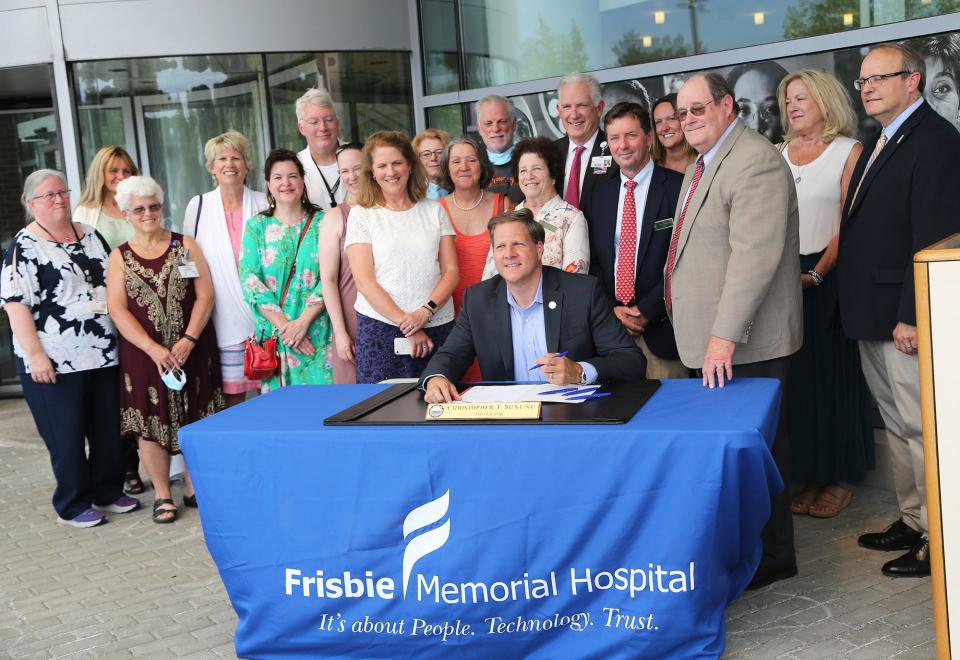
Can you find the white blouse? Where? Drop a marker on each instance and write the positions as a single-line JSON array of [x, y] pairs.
[[406, 255]]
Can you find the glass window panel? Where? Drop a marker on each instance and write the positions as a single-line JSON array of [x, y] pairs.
[[505, 41], [438, 25], [29, 141], [371, 92], [164, 110], [447, 118]]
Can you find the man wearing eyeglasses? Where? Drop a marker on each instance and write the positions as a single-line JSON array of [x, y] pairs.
[[901, 201], [497, 126], [318, 123], [732, 276]]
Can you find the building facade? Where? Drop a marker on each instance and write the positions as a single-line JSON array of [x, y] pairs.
[[160, 77]]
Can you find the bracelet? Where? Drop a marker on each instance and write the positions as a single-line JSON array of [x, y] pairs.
[[190, 338], [429, 311], [817, 277]]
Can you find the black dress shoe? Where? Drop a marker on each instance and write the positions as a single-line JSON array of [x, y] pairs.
[[769, 574], [898, 536], [915, 563]]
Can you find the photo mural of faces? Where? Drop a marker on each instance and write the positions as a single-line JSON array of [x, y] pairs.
[[755, 88]]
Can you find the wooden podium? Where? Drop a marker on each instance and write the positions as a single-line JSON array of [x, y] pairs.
[[937, 279]]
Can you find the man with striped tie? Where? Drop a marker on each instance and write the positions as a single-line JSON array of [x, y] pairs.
[[732, 278]]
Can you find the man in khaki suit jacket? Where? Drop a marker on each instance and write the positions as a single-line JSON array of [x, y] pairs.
[[732, 279]]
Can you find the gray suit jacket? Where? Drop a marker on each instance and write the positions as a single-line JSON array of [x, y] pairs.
[[737, 273]]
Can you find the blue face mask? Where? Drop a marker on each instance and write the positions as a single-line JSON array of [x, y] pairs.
[[174, 379], [501, 158]]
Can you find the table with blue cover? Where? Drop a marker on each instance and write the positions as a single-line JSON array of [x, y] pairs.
[[480, 541]]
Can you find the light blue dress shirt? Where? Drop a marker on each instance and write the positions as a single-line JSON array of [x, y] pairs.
[[529, 333], [891, 129]]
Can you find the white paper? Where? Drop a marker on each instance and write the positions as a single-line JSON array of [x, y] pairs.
[[516, 393]]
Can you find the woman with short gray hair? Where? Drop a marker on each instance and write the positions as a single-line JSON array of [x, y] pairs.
[[53, 288]]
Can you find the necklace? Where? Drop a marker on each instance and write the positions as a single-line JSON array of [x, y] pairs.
[[454, 195], [799, 173], [76, 236], [87, 275]]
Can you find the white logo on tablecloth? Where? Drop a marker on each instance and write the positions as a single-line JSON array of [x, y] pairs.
[[431, 540]]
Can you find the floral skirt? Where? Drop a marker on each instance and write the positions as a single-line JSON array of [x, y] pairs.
[[376, 360]]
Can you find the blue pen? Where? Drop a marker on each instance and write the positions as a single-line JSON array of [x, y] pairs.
[[587, 397], [564, 390], [537, 366]]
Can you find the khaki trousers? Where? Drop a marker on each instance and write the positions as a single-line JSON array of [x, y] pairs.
[[894, 381], [658, 368]]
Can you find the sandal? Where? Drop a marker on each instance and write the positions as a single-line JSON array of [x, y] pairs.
[[831, 501], [133, 484], [801, 502], [190, 501], [163, 516]]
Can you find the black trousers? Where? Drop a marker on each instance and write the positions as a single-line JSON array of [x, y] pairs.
[[80, 409], [777, 535]]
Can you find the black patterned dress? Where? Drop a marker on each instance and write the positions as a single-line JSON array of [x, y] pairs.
[[162, 302]]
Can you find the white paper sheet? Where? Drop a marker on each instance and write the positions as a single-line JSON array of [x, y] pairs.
[[515, 393]]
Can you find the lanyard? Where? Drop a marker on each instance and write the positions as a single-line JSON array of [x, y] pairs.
[[87, 276], [331, 192]]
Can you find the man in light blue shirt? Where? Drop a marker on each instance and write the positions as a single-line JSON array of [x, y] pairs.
[[532, 322]]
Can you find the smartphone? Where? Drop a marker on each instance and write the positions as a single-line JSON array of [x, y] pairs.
[[401, 346]]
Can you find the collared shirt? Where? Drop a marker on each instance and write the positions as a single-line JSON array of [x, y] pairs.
[[584, 159], [529, 333], [709, 156], [891, 129], [643, 179]]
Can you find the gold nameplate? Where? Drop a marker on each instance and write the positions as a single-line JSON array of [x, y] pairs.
[[520, 410]]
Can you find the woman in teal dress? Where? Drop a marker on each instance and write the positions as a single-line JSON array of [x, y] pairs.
[[270, 258]]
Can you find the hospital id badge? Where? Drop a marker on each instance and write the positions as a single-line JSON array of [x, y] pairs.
[[601, 164], [97, 306], [188, 270]]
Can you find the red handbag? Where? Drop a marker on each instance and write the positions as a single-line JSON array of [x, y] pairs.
[[260, 358]]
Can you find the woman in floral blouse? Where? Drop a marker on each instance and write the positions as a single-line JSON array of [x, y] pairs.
[[280, 245]]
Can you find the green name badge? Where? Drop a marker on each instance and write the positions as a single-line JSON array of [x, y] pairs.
[[666, 223]]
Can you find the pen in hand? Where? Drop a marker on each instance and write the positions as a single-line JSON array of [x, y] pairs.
[[556, 355]]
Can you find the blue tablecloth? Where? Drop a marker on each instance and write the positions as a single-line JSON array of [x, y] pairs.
[[470, 541]]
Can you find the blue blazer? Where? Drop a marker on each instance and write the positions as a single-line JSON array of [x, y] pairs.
[[905, 203], [652, 248]]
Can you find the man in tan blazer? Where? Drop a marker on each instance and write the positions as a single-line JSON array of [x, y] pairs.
[[732, 278]]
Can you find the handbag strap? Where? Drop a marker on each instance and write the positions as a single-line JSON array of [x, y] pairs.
[[293, 266], [196, 226]]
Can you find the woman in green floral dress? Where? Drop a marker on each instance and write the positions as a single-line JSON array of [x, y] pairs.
[[270, 254]]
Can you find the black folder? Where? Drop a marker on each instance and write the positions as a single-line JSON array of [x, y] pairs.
[[403, 405]]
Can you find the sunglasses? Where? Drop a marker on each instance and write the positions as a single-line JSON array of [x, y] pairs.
[[695, 109]]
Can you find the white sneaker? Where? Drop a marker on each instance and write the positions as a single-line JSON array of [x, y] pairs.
[[88, 518]]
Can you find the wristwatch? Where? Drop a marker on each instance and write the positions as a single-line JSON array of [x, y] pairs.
[[432, 305], [817, 277], [583, 376]]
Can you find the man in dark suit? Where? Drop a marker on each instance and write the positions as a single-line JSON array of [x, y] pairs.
[[586, 157], [525, 316], [631, 218], [901, 201]]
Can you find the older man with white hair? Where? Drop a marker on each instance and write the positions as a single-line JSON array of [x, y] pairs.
[[497, 126], [585, 152], [318, 123]]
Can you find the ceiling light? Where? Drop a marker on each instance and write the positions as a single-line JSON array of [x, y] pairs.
[[659, 17], [847, 20], [647, 41], [758, 18]]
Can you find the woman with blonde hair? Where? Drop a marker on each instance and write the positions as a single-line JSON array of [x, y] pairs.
[[829, 413], [216, 220], [98, 203], [404, 263], [429, 146]]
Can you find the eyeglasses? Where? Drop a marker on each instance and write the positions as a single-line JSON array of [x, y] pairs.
[[138, 211], [429, 155], [696, 109], [326, 121], [50, 196], [873, 81]]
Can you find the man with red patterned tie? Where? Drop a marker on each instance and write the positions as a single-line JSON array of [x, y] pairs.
[[732, 279], [585, 152], [631, 217]]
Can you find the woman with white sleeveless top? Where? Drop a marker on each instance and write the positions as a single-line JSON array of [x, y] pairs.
[[216, 220], [829, 411]]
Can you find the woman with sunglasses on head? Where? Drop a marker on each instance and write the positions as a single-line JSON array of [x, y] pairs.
[[160, 295], [335, 275], [280, 276], [829, 412], [53, 288], [670, 148]]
